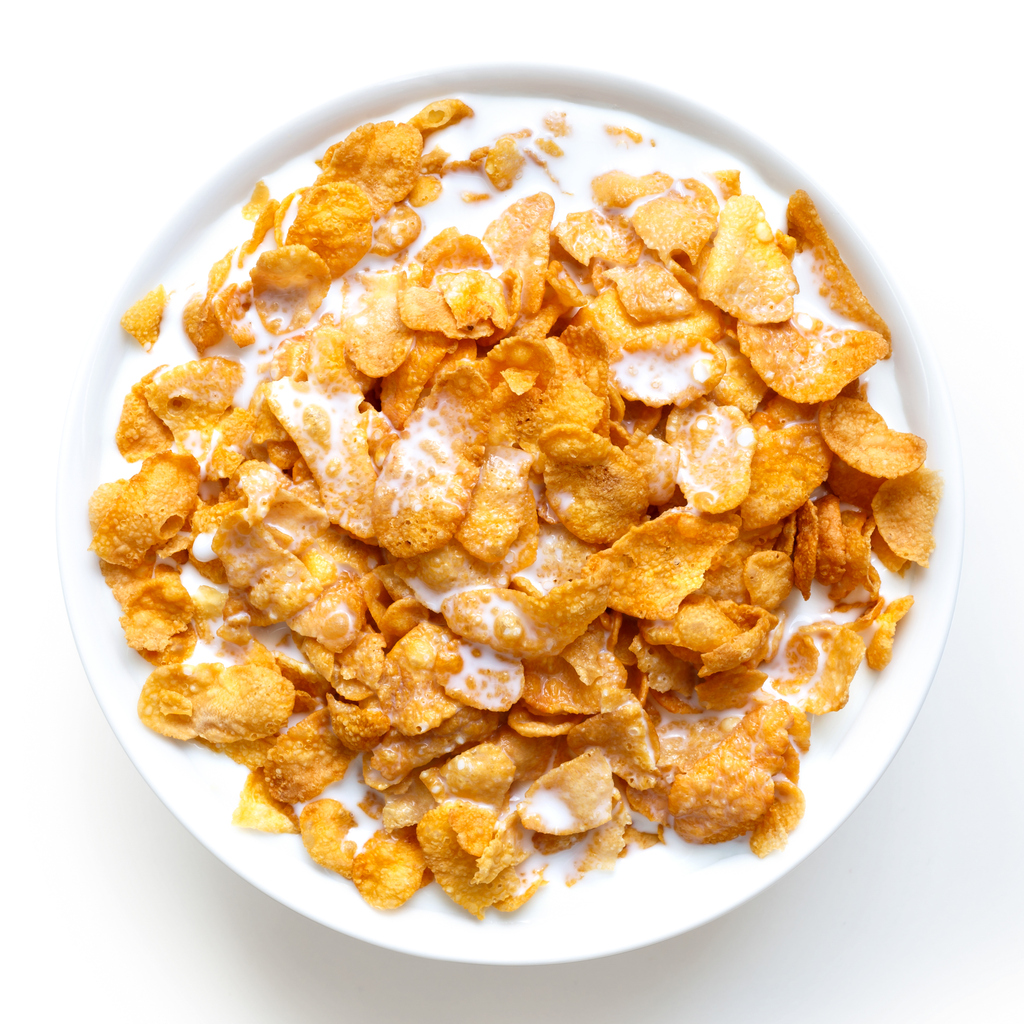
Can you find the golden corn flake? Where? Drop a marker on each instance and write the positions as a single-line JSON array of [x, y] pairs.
[[137, 515], [306, 759], [156, 606], [259, 809], [678, 223], [382, 159], [730, 789], [396, 755], [525, 625], [716, 446], [880, 649], [324, 825], [768, 577], [455, 869], [851, 485], [376, 340], [396, 231], [240, 702], [475, 297], [788, 465], [140, 432], [440, 114], [334, 221], [843, 650], [591, 235], [504, 163], [409, 690], [288, 286], [728, 182], [808, 361], [500, 506], [662, 363], [193, 396], [649, 292], [837, 283], [427, 479], [772, 831], [388, 870], [746, 273], [520, 241], [574, 797], [626, 736], [595, 489], [904, 511], [618, 189], [426, 190], [553, 687], [669, 557], [860, 437], [142, 320]]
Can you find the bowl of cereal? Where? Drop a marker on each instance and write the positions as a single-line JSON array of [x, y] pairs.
[[471, 524]]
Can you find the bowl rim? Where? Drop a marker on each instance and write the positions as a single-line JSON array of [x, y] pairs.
[[231, 186]]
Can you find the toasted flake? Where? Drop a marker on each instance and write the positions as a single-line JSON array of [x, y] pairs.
[[592, 235], [837, 283], [383, 159], [905, 510], [440, 114], [334, 221], [596, 490], [142, 319], [397, 230], [678, 223], [144, 512], [504, 163], [388, 870], [524, 625], [409, 689], [427, 479], [627, 738], [259, 809], [288, 286], [880, 649], [729, 789], [772, 831], [806, 360], [648, 292], [669, 557], [861, 438], [746, 273], [376, 340], [324, 825], [619, 189], [768, 577], [573, 797], [140, 432], [500, 506], [239, 702], [455, 869], [788, 465], [520, 241], [306, 759], [716, 446]]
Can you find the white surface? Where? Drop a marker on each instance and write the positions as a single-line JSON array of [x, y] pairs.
[[912, 910]]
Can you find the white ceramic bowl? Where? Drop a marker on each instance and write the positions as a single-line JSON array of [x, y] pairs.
[[649, 896]]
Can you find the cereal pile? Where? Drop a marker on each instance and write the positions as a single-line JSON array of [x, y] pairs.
[[515, 525]]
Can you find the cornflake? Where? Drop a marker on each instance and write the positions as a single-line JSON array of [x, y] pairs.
[[521, 510]]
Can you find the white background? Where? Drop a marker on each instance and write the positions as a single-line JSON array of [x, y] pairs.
[[907, 114]]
